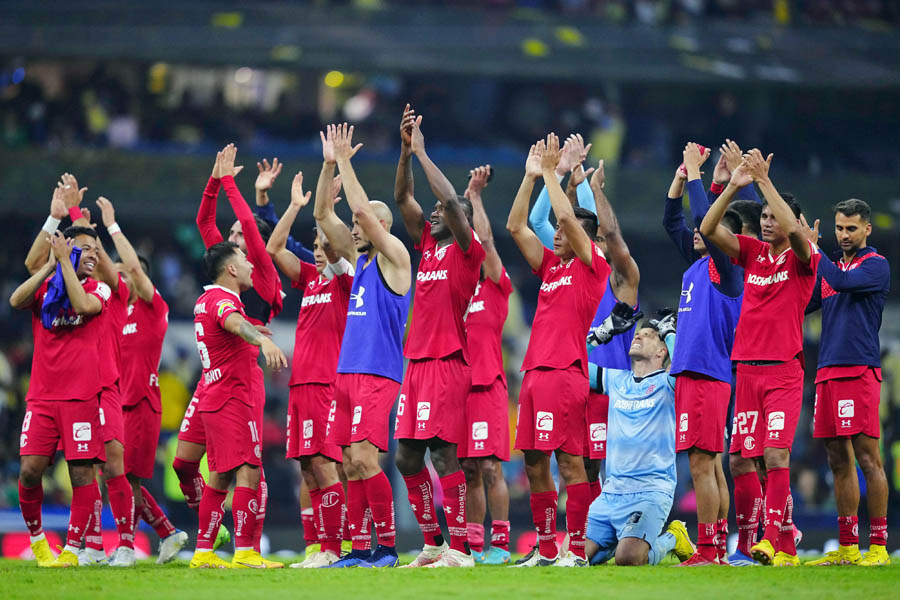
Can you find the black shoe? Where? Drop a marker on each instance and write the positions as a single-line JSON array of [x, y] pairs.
[[528, 556]]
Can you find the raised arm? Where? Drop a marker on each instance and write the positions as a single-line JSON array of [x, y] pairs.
[[267, 173], [206, 214], [573, 153], [331, 225], [410, 210], [758, 167], [493, 266], [239, 326], [626, 274], [673, 218], [143, 285], [562, 208], [517, 223], [454, 213], [23, 296], [286, 261], [711, 228], [40, 248], [82, 302]]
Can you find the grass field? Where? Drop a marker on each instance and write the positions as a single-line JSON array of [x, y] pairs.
[[19, 579]]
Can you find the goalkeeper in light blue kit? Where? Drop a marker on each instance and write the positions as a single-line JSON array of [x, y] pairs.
[[627, 519]]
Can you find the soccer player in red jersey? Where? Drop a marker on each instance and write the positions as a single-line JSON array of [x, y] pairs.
[[431, 409], [851, 293], [320, 327], [487, 406], [63, 405], [262, 302], [779, 275], [226, 342], [555, 388]]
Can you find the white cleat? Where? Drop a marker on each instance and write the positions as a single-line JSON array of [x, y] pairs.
[[306, 561], [570, 560], [88, 557], [453, 558], [123, 557], [428, 555], [322, 560], [538, 561], [170, 546]]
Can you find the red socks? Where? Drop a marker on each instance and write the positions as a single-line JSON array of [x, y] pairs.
[[778, 489], [421, 500], [381, 503], [475, 533], [747, 502], [722, 539], [786, 538], [500, 534], [596, 488], [706, 541], [332, 517], [262, 498], [30, 500], [543, 513], [243, 509], [190, 481], [211, 511], [154, 515], [93, 537], [358, 515], [84, 499], [577, 504], [454, 488], [310, 526], [121, 501], [878, 531], [848, 530]]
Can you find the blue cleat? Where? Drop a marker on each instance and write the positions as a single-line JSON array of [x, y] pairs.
[[496, 556], [383, 556], [356, 558], [739, 559], [478, 556]]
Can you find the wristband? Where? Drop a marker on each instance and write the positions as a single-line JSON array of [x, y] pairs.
[[113, 229], [559, 177], [716, 188], [51, 225], [75, 213]]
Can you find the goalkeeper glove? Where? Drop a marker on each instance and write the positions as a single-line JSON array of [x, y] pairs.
[[665, 322], [621, 319]]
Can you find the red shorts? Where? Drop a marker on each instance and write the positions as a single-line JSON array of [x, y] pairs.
[[307, 421], [767, 407], [112, 424], [701, 405], [552, 410], [258, 393], [596, 412], [192, 429], [232, 437], [848, 406], [433, 400], [142, 424], [72, 424], [361, 409], [487, 422]]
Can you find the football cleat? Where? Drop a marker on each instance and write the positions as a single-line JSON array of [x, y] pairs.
[[527, 557], [478, 556], [384, 556], [208, 560], [318, 561], [877, 556], [684, 547], [739, 559], [783, 559], [571, 560], [496, 556], [537, 560], [122, 557], [66, 558], [844, 555], [354, 559], [223, 536], [309, 558], [428, 555], [42, 552], [312, 549], [170, 545], [251, 559], [697, 560], [90, 557], [452, 558], [763, 552], [346, 547]]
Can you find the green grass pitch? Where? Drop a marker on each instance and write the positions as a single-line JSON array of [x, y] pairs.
[[20, 579]]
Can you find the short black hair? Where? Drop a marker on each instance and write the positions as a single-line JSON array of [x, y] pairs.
[[791, 201], [749, 211], [216, 258], [854, 206], [588, 221], [74, 231], [733, 222], [467, 207], [265, 230]]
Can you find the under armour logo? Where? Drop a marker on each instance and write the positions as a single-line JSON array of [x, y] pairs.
[[358, 298], [687, 293]]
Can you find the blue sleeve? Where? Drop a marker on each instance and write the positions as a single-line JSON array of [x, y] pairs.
[[540, 219], [593, 373], [872, 275], [731, 278], [586, 196], [267, 214], [748, 192], [670, 346], [815, 301], [673, 221]]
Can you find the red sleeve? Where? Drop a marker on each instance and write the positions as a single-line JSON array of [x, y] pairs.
[[101, 291], [548, 260], [345, 281], [158, 304], [475, 253], [505, 283], [814, 257], [749, 248], [223, 308], [307, 272], [426, 237], [206, 215], [598, 263], [122, 290], [265, 277], [38, 301]]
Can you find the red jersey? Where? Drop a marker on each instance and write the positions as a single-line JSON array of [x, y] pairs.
[[484, 329], [113, 320], [320, 325], [228, 361], [445, 282], [141, 345], [67, 357], [568, 299], [776, 292]]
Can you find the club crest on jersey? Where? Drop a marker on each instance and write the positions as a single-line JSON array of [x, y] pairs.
[[223, 305], [441, 252], [845, 409]]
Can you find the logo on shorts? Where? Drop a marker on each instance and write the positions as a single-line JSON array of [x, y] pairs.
[[81, 432], [307, 429], [480, 431], [330, 499], [256, 451], [749, 443], [845, 409], [253, 505], [776, 421], [82, 447], [598, 432], [23, 440], [543, 421], [357, 415], [423, 411], [479, 445], [683, 422]]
